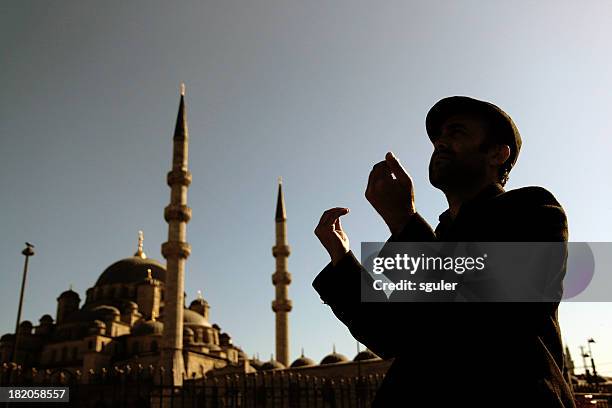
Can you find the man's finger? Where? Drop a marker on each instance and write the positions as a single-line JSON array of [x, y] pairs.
[[396, 167], [380, 171], [332, 214]]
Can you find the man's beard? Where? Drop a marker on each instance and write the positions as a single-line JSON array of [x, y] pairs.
[[454, 174]]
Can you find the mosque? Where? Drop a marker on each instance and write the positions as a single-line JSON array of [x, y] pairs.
[[136, 314]]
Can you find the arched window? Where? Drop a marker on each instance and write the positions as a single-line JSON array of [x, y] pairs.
[[75, 352], [154, 346], [135, 347], [64, 353], [53, 355], [89, 345]]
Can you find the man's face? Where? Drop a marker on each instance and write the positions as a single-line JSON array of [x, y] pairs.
[[458, 159]]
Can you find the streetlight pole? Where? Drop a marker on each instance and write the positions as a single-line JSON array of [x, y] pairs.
[[27, 252], [589, 341], [584, 364]]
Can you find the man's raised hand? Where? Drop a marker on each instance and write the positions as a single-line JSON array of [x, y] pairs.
[[330, 233], [391, 193]]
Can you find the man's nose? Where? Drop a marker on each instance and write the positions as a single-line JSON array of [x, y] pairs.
[[440, 144]]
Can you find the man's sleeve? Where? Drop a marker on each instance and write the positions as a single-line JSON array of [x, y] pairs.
[[371, 323]]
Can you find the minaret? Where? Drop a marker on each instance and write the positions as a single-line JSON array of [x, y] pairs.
[[176, 250], [281, 280]]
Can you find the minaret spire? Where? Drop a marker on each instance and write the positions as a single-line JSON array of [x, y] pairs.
[[281, 279], [176, 250], [280, 202]]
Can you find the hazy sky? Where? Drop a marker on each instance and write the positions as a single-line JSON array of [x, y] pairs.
[[313, 91]]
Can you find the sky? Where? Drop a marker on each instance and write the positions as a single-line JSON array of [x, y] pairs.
[[315, 92]]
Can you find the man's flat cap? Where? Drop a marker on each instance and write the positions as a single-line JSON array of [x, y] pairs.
[[504, 128]]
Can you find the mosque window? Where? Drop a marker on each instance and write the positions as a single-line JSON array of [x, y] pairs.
[[154, 346], [90, 345], [64, 353], [135, 347], [74, 353], [53, 355]]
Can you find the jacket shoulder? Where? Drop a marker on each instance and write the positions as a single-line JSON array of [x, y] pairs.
[[531, 195], [534, 214]]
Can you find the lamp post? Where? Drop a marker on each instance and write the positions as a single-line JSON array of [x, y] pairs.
[[589, 341], [27, 252]]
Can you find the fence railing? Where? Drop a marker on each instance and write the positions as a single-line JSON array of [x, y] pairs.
[[138, 386]]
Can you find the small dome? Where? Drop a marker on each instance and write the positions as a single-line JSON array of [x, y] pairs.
[[333, 358], [7, 338], [148, 327], [365, 355], [198, 302], [191, 318], [130, 306], [46, 319], [69, 294], [242, 355], [97, 327], [188, 332], [26, 324], [98, 323], [272, 365], [303, 361], [106, 310], [256, 363], [132, 270]]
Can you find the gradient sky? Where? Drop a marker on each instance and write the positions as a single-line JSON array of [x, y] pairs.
[[313, 91]]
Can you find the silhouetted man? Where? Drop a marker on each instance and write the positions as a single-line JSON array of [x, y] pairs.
[[456, 354]]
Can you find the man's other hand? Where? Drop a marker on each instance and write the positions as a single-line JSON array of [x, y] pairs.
[[391, 193], [330, 233]]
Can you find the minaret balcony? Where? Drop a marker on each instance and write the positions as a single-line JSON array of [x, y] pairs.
[[283, 278], [177, 212], [282, 305], [172, 249], [179, 177], [281, 250]]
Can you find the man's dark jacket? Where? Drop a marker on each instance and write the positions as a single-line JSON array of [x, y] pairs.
[[496, 354]]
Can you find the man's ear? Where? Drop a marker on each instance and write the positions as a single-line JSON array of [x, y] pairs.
[[499, 154]]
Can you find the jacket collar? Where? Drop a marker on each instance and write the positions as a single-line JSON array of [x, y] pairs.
[[490, 191]]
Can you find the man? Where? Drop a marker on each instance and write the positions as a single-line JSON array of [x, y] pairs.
[[456, 354]]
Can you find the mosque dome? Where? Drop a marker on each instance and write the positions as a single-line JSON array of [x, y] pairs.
[[272, 365], [191, 318], [365, 355], [46, 319], [106, 310], [333, 358], [130, 306], [26, 324], [198, 302], [148, 327], [98, 324], [303, 361], [132, 270], [69, 294], [97, 327], [256, 363]]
